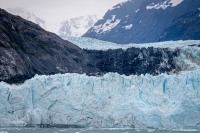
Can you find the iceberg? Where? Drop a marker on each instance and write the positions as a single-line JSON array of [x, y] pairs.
[[113, 100]]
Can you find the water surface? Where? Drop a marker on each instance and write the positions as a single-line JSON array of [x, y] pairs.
[[64, 130]]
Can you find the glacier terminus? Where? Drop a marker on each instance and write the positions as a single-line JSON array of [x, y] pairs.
[[164, 101]]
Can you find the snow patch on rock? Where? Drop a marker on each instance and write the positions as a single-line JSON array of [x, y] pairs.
[[175, 2], [137, 10], [164, 5], [120, 4], [127, 27], [107, 26]]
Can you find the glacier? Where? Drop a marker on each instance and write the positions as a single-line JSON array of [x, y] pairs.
[[95, 44], [113, 100]]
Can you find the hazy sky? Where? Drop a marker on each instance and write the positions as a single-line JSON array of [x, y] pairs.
[[56, 10]]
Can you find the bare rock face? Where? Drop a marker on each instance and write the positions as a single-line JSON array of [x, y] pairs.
[[26, 50], [185, 27], [144, 21], [135, 61]]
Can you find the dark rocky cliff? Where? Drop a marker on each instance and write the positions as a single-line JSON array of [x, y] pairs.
[[135, 61], [26, 50]]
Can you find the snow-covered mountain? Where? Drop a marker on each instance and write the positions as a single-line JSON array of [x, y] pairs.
[[27, 15], [140, 21], [77, 26], [53, 27], [71, 27]]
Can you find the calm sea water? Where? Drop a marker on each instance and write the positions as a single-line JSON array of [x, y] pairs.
[[62, 130]]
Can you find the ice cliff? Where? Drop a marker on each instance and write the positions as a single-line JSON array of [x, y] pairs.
[[113, 100]]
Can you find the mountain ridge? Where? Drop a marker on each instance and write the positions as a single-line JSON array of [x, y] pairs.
[[27, 15], [77, 26], [139, 21], [26, 50]]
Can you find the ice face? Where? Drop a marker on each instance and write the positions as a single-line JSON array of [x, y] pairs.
[[95, 44], [113, 100]]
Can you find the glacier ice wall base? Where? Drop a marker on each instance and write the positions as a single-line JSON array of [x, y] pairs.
[[113, 100]]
